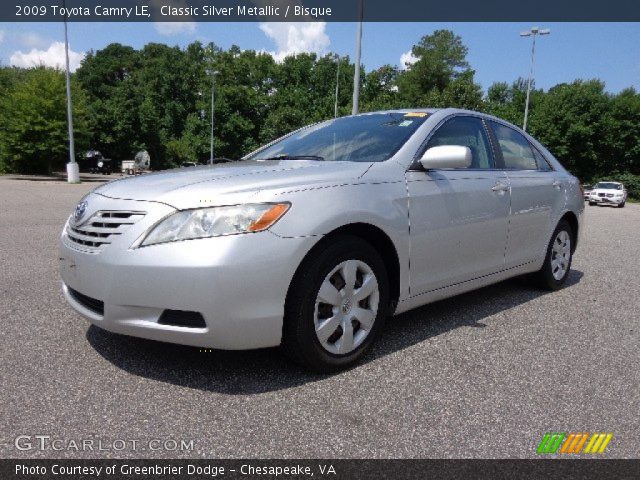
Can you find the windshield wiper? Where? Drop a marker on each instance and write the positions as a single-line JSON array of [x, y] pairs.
[[293, 157]]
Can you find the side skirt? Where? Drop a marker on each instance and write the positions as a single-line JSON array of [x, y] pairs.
[[463, 287]]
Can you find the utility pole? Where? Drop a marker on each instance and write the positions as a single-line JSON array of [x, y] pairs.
[[213, 89], [73, 172], [534, 32], [213, 74], [356, 76], [335, 108]]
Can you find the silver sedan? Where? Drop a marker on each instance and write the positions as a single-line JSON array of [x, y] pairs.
[[312, 241]]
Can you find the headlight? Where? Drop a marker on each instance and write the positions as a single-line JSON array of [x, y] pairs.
[[216, 221]]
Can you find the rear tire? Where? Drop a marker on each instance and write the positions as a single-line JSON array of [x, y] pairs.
[[557, 262], [591, 204], [337, 304]]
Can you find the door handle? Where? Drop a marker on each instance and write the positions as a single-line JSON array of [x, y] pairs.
[[500, 187], [557, 184]]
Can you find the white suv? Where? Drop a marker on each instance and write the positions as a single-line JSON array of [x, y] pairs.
[[608, 193]]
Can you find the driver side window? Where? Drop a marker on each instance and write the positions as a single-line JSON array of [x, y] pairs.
[[465, 132]]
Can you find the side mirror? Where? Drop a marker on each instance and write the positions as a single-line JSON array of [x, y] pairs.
[[446, 156]]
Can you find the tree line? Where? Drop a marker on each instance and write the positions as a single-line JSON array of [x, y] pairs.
[[157, 98]]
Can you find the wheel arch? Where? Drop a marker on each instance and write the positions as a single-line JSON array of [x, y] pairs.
[[378, 239], [572, 219]]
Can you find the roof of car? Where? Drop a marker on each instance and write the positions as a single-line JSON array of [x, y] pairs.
[[431, 111], [403, 110]]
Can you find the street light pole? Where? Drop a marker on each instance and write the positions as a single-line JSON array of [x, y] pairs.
[[335, 108], [356, 76], [534, 32], [213, 88], [73, 172]]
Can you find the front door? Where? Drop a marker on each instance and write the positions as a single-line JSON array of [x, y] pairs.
[[458, 217]]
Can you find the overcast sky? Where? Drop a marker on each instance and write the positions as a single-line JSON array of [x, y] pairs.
[[610, 51]]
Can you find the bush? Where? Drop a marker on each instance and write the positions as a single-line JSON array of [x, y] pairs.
[[632, 183]]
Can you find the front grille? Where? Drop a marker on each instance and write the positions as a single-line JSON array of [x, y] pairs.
[[96, 306], [102, 228], [182, 318], [601, 194]]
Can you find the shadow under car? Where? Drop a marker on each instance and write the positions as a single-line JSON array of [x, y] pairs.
[[259, 371]]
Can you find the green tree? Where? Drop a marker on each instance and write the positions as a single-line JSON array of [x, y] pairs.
[[243, 87], [622, 132], [34, 135], [507, 101], [292, 99], [108, 78], [441, 76], [594, 134], [569, 120], [380, 89], [158, 98]]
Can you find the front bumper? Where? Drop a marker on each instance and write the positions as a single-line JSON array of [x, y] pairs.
[[607, 200], [238, 283]]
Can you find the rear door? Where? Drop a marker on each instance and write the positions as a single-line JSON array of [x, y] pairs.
[[537, 195], [458, 217]]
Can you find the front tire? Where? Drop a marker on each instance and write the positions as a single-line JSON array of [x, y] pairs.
[[337, 304], [591, 204], [622, 204], [557, 262]]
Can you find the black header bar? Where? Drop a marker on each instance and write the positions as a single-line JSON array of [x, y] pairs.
[[319, 10]]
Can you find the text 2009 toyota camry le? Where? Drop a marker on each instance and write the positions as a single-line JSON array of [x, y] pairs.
[[311, 241]]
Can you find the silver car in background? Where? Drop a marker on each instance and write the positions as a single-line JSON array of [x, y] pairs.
[[312, 241]]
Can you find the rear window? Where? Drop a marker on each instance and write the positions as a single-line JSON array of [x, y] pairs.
[[516, 151], [543, 164]]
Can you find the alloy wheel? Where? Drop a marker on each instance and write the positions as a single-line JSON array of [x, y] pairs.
[[560, 255], [346, 307]]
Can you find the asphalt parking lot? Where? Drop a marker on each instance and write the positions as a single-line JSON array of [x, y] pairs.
[[482, 375]]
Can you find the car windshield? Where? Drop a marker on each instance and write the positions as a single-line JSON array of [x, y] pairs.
[[364, 138], [609, 186]]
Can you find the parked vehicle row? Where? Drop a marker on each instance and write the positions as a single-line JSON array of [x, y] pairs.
[[313, 240]]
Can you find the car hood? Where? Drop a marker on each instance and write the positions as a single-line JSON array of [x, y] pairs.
[[605, 190], [230, 182]]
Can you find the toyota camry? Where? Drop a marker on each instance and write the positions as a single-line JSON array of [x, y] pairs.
[[314, 240]]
